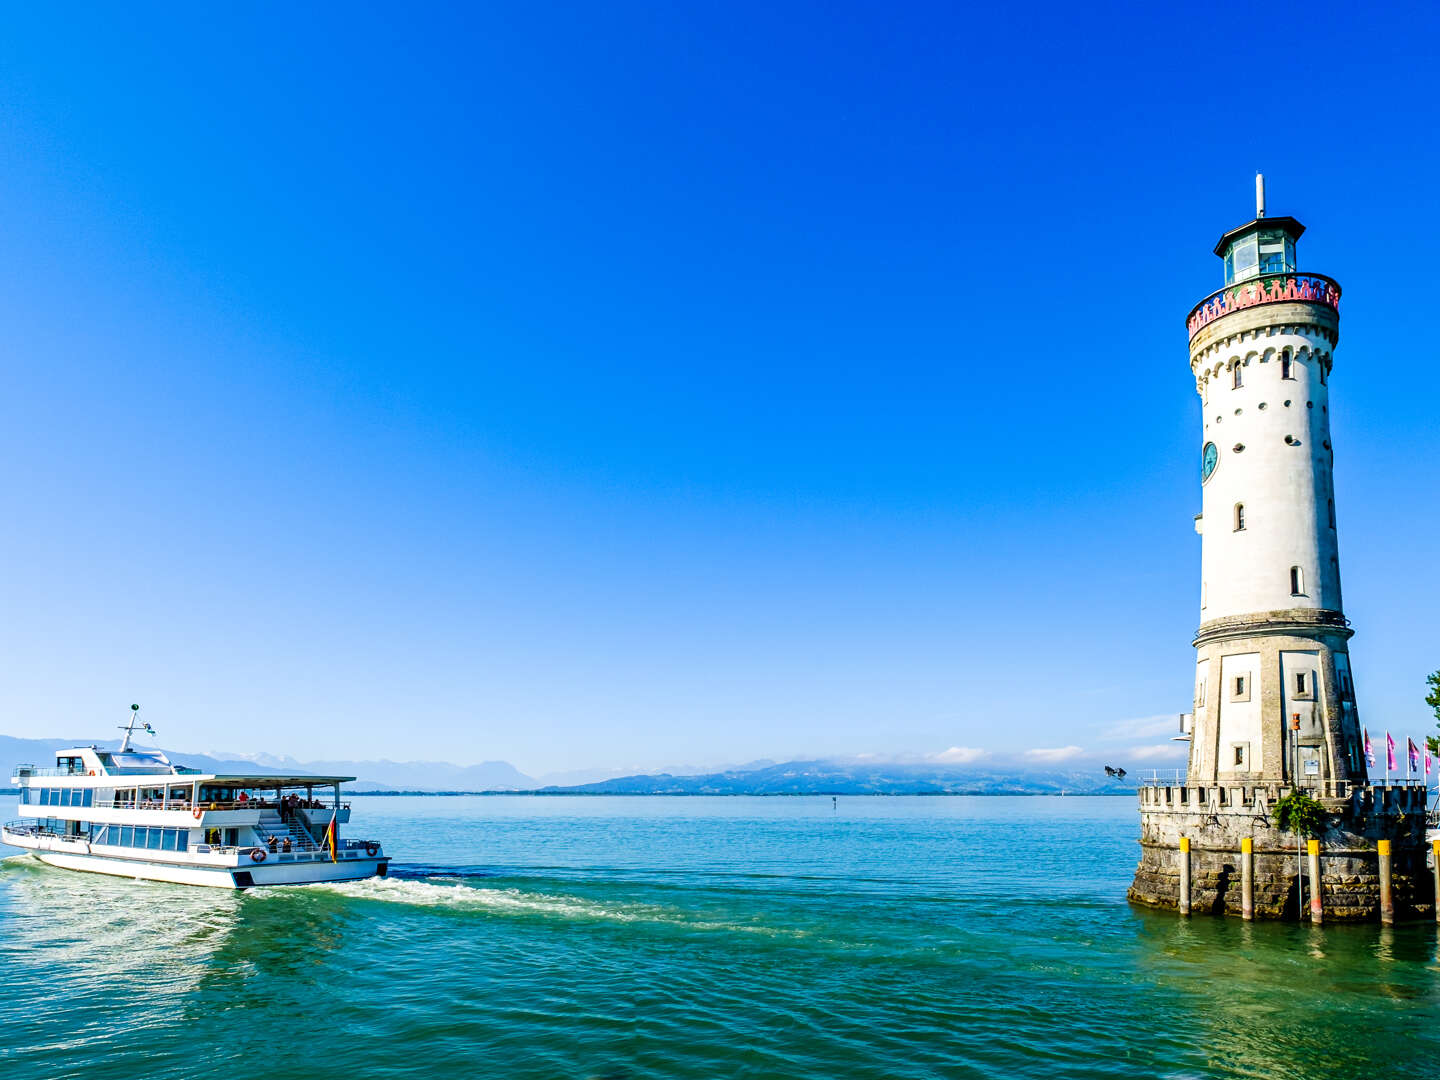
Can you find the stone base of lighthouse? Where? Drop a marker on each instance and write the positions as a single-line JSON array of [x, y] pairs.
[[1214, 823]]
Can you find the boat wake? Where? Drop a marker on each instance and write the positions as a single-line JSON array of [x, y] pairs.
[[456, 895]]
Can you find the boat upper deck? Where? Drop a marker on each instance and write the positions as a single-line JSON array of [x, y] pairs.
[[89, 766]]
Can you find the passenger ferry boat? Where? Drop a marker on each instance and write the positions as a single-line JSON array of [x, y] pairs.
[[133, 813]]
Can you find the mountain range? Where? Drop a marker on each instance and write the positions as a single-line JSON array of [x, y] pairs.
[[812, 777], [828, 777]]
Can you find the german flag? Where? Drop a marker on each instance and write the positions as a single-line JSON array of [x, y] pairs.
[[331, 840]]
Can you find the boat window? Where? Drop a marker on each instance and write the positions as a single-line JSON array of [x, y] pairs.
[[98, 835], [168, 842], [127, 836], [182, 841], [153, 840], [89, 797]]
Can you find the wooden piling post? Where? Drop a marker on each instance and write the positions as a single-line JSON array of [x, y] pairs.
[[1247, 878], [1184, 875], [1387, 901], [1312, 847]]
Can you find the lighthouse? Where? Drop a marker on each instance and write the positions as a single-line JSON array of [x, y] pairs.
[[1274, 697], [1274, 711]]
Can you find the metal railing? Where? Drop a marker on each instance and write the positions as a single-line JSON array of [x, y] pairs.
[[173, 804], [30, 828], [22, 772], [1330, 789], [1266, 289]]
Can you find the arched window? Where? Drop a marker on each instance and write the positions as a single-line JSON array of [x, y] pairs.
[[1237, 379], [1287, 368], [1297, 581], [1239, 517]]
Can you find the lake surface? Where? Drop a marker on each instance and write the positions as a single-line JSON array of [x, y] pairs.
[[701, 937]]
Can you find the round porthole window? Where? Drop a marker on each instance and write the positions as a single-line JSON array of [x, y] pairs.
[[1238, 447]]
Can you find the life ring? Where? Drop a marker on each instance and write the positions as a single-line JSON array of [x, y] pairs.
[[257, 854], [371, 848], [198, 812], [92, 772]]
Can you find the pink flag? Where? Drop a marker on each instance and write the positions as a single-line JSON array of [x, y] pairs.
[[1427, 768], [1413, 752], [1390, 752], [1369, 751]]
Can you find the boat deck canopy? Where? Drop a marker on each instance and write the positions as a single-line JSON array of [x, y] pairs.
[[233, 780]]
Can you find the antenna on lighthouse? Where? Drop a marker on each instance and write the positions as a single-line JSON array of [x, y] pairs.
[[1259, 194]]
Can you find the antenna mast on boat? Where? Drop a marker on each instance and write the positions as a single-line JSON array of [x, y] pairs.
[[129, 728]]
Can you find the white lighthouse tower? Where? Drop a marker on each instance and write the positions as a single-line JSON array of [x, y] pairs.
[[1274, 698], [1274, 724]]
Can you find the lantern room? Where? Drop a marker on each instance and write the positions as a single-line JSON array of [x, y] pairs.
[[1264, 246], [1260, 247]]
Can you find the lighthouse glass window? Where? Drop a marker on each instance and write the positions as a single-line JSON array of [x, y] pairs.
[[1242, 260], [1277, 252], [1268, 251]]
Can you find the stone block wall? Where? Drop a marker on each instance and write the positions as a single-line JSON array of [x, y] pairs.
[[1349, 865]]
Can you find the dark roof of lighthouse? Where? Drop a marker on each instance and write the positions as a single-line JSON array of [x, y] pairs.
[[1289, 224]]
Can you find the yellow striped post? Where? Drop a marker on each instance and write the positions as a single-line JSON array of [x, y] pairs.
[[1184, 875], [1312, 848], [1387, 901], [1247, 878], [1435, 855]]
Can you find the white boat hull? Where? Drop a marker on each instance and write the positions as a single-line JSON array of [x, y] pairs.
[[294, 873]]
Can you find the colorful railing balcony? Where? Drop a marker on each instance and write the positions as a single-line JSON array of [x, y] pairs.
[[1269, 289]]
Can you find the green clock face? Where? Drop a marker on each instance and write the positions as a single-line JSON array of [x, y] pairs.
[[1208, 459]]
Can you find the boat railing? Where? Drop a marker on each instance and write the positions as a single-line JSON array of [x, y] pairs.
[[185, 804], [30, 828], [22, 771]]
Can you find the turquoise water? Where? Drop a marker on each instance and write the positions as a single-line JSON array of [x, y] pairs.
[[729, 937]]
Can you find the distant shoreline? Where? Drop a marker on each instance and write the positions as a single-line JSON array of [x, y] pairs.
[[727, 794], [753, 794]]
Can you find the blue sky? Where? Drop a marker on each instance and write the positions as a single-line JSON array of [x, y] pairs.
[[644, 384]]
